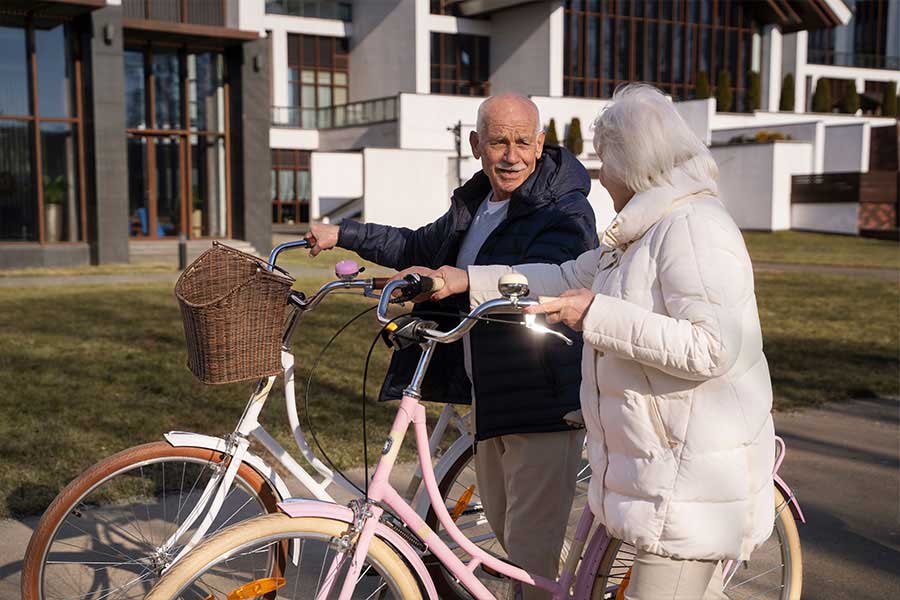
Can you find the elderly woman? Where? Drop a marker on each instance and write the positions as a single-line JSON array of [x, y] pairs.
[[675, 388]]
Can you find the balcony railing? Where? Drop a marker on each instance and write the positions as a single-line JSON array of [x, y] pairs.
[[850, 59], [207, 12], [322, 9], [365, 112]]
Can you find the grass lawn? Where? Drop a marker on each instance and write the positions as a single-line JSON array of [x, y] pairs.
[[822, 249]]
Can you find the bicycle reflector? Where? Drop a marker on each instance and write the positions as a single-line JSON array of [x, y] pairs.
[[254, 589], [620, 593], [462, 503]]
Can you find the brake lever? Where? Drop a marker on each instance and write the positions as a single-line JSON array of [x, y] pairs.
[[532, 324]]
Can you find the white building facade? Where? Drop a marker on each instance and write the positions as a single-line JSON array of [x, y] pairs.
[[370, 97]]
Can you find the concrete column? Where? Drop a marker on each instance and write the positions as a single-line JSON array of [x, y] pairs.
[[251, 159], [771, 67], [557, 47], [279, 67], [526, 49], [389, 49], [106, 165]]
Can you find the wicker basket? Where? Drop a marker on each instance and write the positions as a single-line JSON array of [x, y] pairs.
[[233, 311]]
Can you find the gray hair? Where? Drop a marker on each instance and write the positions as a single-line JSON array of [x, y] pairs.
[[481, 122], [641, 138]]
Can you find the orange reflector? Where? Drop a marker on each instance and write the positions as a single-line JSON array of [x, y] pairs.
[[256, 588], [210, 597], [620, 593], [462, 503], [392, 327]]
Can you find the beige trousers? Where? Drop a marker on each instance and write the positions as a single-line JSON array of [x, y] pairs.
[[527, 484], [659, 578]]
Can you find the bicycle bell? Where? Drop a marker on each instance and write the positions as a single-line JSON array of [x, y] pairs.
[[513, 286], [347, 270]]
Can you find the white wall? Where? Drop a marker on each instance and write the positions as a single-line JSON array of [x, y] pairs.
[[755, 181], [765, 118], [699, 115], [812, 132], [336, 178], [522, 50], [833, 217], [847, 148], [293, 139], [407, 188], [424, 119]]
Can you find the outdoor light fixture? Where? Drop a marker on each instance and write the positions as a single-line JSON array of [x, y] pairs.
[[257, 63], [109, 33]]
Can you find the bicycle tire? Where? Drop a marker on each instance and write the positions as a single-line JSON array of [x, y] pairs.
[[785, 530], [68, 500], [227, 546], [450, 481]]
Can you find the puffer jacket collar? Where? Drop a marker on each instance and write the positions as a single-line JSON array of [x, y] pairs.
[[645, 209], [556, 174]]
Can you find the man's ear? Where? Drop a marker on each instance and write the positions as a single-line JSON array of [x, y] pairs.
[[474, 142], [540, 144]]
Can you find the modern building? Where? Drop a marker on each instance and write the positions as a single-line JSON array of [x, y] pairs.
[[128, 123]]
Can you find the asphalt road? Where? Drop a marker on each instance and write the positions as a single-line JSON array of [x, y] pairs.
[[843, 463]]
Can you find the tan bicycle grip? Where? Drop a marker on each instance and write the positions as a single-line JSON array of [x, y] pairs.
[[546, 299]]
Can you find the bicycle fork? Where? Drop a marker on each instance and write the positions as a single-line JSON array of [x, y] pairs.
[[220, 482]]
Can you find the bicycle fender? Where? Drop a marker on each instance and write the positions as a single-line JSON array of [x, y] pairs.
[[308, 507], [180, 439], [791, 498]]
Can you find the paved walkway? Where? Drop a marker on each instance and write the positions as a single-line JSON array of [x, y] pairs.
[[842, 463]]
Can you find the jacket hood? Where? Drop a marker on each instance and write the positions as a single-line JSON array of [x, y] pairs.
[[557, 173], [645, 209]]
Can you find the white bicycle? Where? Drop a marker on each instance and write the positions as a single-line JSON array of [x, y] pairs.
[[115, 528]]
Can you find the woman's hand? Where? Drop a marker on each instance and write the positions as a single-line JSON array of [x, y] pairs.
[[456, 281], [570, 308]]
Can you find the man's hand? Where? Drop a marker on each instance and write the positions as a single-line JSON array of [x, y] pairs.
[[456, 281], [570, 308], [322, 237]]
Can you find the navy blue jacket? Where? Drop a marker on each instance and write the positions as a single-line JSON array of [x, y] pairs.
[[524, 383]]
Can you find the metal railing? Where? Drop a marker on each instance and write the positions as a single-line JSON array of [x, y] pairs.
[[364, 112], [850, 59], [322, 9]]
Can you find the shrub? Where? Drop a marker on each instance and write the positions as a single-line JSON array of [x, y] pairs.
[[701, 90], [821, 101], [574, 142], [786, 101], [889, 103], [550, 137], [724, 96], [850, 101], [754, 92]]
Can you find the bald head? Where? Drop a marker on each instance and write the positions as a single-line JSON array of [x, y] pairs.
[[506, 107], [508, 140]]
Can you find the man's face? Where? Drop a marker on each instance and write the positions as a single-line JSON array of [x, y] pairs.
[[509, 147]]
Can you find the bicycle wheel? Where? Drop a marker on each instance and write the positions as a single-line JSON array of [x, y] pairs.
[[235, 563], [774, 571], [100, 536], [460, 492]]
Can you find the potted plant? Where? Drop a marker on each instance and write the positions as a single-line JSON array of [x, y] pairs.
[[54, 196]]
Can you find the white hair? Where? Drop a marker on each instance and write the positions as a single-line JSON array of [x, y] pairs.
[[481, 121], [641, 138]]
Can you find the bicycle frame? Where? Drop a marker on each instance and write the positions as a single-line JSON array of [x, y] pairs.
[[236, 445]]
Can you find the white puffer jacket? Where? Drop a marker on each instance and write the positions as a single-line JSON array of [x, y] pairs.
[[675, 388]]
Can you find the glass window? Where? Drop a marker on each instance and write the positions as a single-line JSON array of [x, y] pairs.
[[13, 72], [54, 72], [168, 186], [59, 146], [135, 98], [137, 186], [208, 201], [18, 199], [207, 96], [167, 89], [286, 191], [463, 65]]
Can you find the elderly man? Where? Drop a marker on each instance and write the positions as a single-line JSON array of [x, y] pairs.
[[527, 205]]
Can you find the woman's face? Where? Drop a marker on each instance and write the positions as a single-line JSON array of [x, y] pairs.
[[617, 190]]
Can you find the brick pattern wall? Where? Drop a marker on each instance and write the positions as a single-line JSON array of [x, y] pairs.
[[877, 215]]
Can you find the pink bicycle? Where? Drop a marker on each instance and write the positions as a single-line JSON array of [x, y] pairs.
[[380, 547]]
